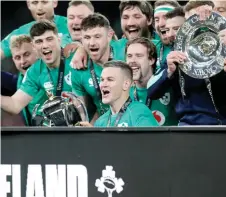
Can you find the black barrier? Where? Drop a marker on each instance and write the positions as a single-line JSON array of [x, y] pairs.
[[165, 162]]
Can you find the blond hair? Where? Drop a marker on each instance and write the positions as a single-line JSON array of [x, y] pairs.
[[17, 41]]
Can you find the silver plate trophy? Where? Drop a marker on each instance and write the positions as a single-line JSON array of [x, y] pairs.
[[199, 40]]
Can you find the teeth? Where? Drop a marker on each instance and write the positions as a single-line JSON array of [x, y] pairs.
[[45, 52], [135, 69]]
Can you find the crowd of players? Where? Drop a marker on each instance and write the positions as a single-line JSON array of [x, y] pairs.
[[133, 81]]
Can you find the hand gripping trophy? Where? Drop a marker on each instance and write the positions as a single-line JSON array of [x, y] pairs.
[[66, 110]]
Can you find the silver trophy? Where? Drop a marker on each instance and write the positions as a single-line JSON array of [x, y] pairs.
[[61, 111], [199, 40]]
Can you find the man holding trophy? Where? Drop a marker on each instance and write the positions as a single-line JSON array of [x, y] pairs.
[[50, 75], [196, 68]]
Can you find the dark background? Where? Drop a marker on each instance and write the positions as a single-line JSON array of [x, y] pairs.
[[16, 13], [152, 163]]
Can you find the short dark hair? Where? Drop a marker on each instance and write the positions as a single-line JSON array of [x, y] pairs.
[[95, 20], [83, 2], [41, 27], [127, 70], [192, 4], [145, 7], [174, 13], [152, 52], [172, 3]]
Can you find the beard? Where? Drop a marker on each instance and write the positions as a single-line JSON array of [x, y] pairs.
[[141, 31]]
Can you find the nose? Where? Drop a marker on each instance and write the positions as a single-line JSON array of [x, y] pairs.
[[39, 6], [162, 22], [130, 21], [103, 83], [92, 41], [76, 21], [131, 59], [23, 61]]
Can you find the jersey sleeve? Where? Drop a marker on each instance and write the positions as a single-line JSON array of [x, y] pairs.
[[77, 83], [5, 43], [146, 119], [30, 82], [143, 121]]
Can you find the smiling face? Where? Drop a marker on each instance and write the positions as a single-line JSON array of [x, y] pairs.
[[48, 47], [134, 23], [75, 15], [42, 9], [24, 56], [96, 41], [172, 27], [160, 21], [138, 59]]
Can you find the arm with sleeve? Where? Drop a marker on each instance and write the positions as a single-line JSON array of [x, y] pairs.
[[146, 118], [5, 43], [76, 83], [158, 84]]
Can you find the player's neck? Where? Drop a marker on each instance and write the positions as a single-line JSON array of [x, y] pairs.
[[117, 104], [105, 57], [56, 63], [142, 83]]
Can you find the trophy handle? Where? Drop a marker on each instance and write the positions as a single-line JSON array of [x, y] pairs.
[[78, 105]]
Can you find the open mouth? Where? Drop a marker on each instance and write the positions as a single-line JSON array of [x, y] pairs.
[[47, 54], [105, 93], [163, 31], [26, 67], [94, 50], [135, 70], [40, 14], [133, 30], [75, 29]]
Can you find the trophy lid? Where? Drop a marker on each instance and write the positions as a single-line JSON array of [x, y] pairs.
[[199, 40]]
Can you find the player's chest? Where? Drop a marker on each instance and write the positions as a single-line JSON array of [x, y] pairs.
[[50, 80]]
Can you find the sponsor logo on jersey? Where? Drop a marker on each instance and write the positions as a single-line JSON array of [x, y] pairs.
[[159, 116], [48, 86], [67, 78]]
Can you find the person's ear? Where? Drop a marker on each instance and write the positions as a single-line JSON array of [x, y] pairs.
[[55, 3], [150, 21], [151, 61], [126, 84]]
